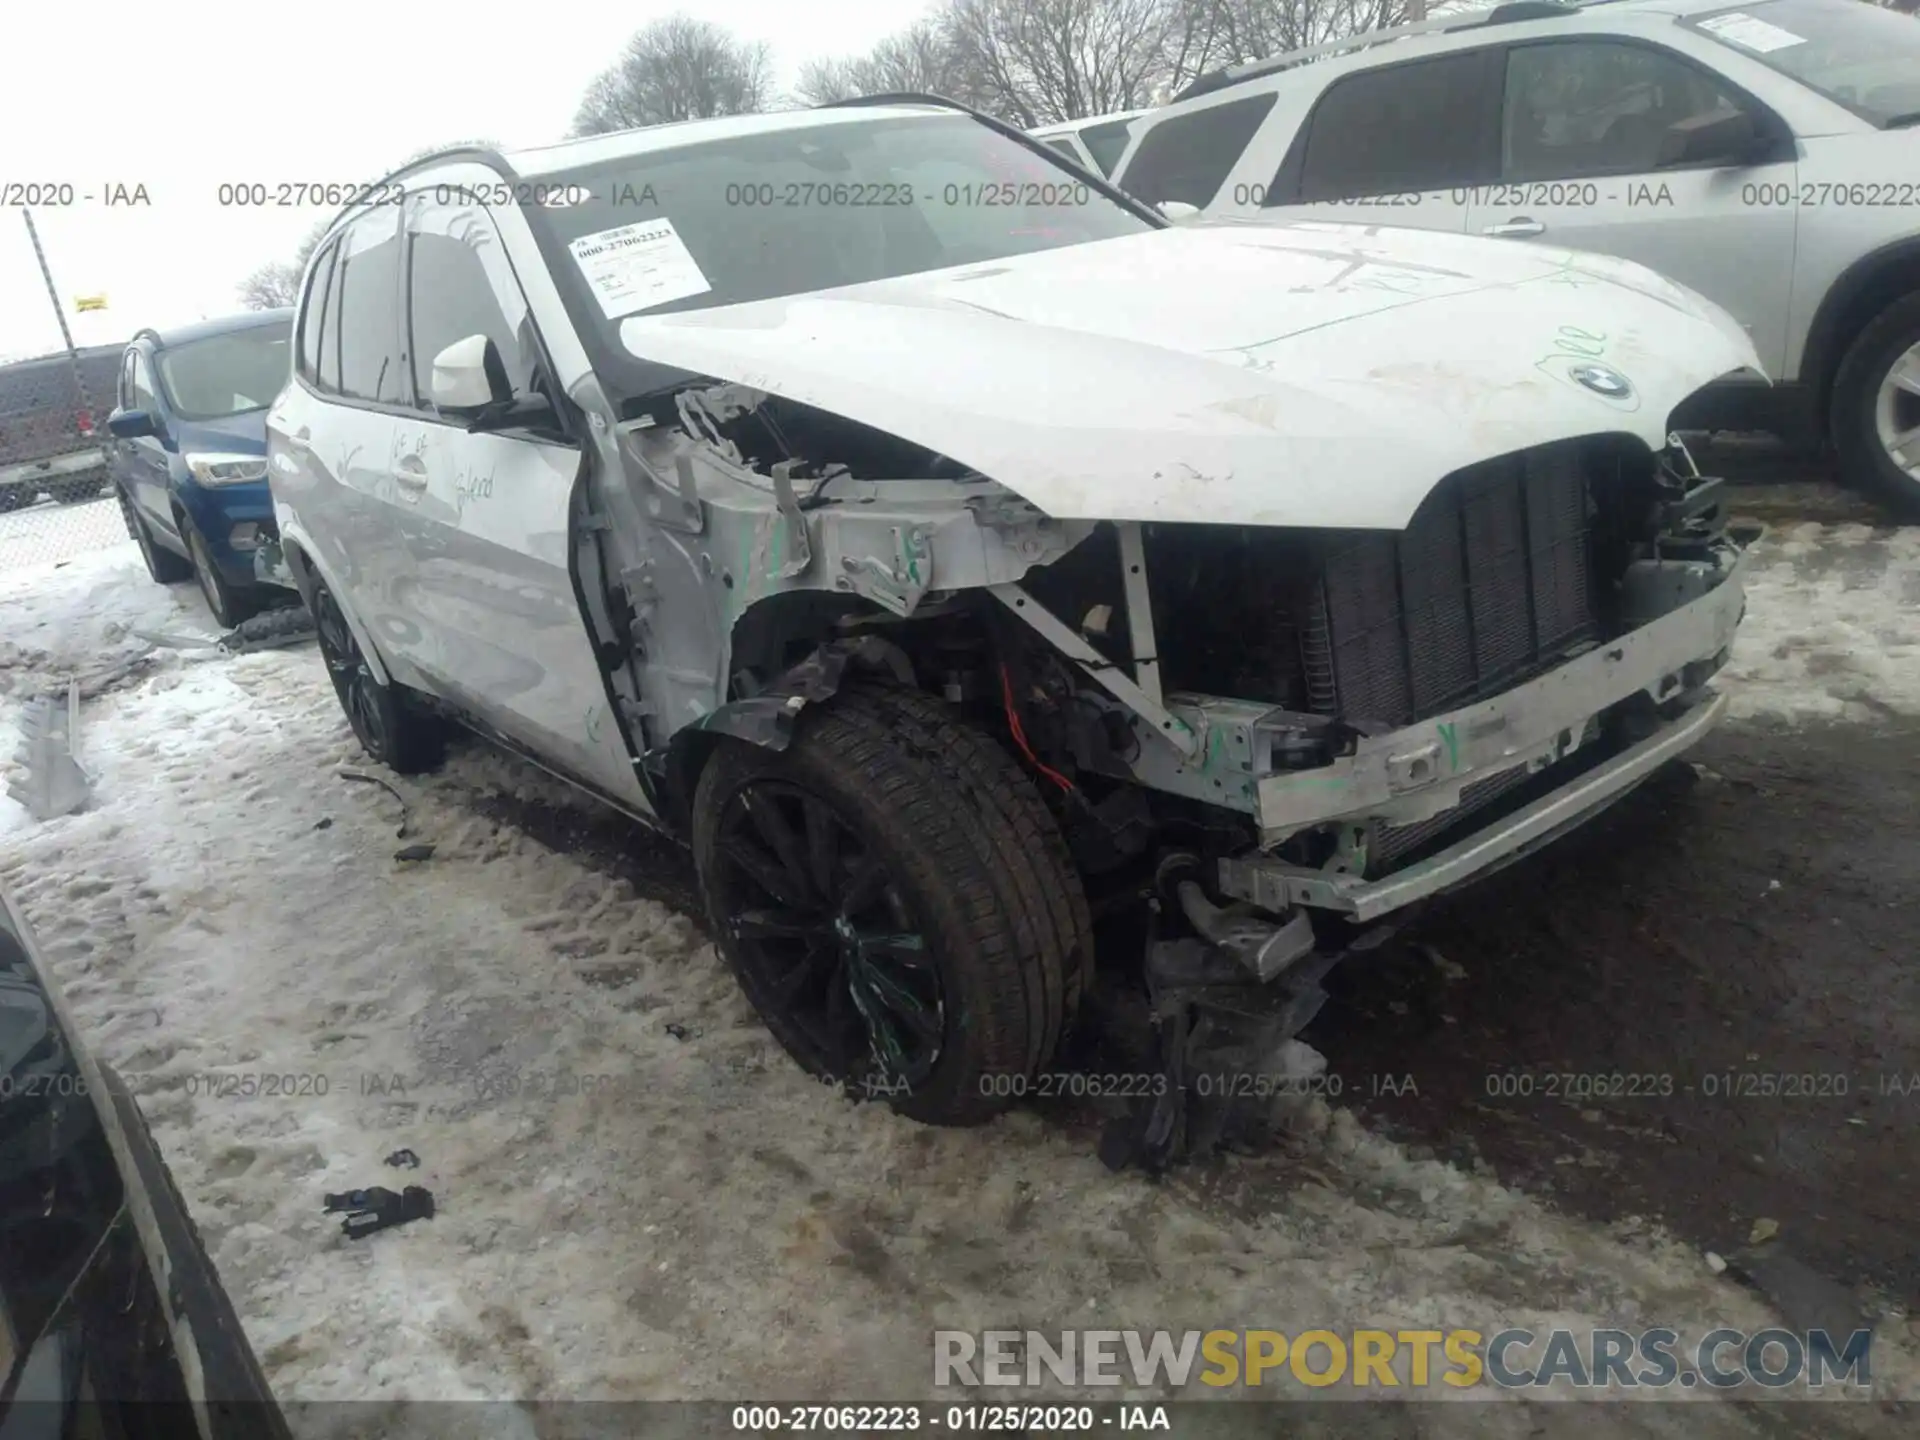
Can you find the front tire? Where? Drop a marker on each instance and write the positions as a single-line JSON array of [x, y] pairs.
[[386, 727], [229, 604], [1876, 409], [163, 565], [896, 902]]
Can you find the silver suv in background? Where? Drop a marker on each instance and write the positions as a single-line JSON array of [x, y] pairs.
[[1761, 154], [961, 544]]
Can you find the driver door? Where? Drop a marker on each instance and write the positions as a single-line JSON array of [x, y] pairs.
[[485, 514]]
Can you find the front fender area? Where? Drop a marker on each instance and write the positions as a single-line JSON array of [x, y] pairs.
[[767, 719], [306, 569]]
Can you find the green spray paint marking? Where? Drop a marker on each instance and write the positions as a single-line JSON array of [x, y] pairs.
[[1452, 741]]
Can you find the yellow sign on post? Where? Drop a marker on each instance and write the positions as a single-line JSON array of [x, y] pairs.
[[84, 303]]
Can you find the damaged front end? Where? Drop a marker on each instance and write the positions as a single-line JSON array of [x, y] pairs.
[[1384, 715], [1273, 740]]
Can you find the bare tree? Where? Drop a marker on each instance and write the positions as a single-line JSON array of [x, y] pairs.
[[1035, 61], [677, 68], [273, 285], [1243, 30], [920, 58]]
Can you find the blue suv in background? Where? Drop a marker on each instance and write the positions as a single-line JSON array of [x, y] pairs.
[[190, 452]]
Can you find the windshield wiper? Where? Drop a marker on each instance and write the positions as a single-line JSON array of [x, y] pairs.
[[1900, 122]]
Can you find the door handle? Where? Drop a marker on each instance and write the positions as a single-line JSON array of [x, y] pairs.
[[411, 472], [1517, 229]]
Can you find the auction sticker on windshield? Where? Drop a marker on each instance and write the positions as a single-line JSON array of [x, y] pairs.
[[636, 267], [1750, 32]]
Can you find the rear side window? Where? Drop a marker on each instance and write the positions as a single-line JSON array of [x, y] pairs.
[[1399, 130], [460, 284], [368, 293], [1107, 143], [312, 315], [1186, 157]]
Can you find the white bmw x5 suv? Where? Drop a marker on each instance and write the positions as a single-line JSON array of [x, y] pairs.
[[945, 544]]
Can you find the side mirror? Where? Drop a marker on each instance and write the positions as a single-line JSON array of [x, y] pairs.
[[131, 424], [1178, 211], [468, 374], [1732, 139]]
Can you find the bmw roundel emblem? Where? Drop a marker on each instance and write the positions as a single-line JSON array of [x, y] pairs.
[[1603, 380]]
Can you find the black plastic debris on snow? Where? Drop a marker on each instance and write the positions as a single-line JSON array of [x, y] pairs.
[[406, 812], [378, 1208], [269, 630], [414, 852], [404, 1160]]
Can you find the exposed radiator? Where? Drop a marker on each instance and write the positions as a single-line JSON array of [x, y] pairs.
[[1490, 584]]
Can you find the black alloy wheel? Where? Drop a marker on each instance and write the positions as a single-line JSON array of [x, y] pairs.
[[826, 939]]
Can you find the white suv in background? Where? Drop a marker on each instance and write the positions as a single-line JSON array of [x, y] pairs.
[[1762, 154]]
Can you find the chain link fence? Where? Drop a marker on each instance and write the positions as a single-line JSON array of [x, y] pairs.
[[56, 492], [60, 520]]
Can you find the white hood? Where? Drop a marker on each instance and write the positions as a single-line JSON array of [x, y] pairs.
[[1309, 374]]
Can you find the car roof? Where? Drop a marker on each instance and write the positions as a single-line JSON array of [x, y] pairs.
[[1520, 19], [225, 325], [619, 144], [1068, 127]]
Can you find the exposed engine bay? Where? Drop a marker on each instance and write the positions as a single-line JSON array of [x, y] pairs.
[[1275, 739]]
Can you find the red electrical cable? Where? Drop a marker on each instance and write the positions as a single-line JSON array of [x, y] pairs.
[[1020, 735]]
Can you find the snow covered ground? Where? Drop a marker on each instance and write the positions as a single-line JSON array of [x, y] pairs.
[[639, 1195], [1832, 627]]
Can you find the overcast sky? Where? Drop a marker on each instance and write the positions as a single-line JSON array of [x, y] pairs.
[[181, 98]]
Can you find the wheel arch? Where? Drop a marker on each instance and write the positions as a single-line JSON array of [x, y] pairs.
[[308, 572], [1864, 289], [767, 717]]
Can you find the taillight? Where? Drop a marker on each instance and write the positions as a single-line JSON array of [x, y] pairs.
[[83, 421]]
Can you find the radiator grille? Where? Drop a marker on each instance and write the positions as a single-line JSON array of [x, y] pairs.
[[1490, 584]]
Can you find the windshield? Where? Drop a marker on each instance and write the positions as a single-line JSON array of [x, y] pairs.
[[227, 374], [786, 212], [1861, 56]]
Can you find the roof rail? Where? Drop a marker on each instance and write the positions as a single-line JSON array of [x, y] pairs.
[[1514, 11], [492, 159]]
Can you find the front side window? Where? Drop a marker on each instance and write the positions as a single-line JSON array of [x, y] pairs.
[[1860, 56], [1188, 157], [1597, 107], [459, 284], [313, 314], [142, 383], [367, 292], [1065, 147], [227, 374], [1403, 129], [850, 199]]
